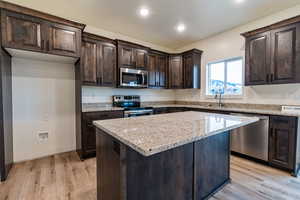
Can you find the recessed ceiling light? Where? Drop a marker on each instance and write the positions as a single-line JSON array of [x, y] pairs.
[[239, 1], [180, 28], [144, 12]]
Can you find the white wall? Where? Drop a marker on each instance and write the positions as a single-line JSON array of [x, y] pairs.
[[43, 100], [230, 44]]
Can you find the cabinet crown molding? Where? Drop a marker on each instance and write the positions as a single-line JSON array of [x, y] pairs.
[[97, 37], [272, 26]]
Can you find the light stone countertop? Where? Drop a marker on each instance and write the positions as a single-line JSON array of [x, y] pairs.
[[101, 107], [153, 134], [229, 109]]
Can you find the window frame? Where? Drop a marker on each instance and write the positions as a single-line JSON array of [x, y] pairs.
[[208, 71]]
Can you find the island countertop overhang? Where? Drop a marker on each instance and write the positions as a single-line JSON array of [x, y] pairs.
[[154, 134]]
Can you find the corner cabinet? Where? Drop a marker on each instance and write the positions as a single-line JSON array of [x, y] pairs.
[[284, 143], [192, 69], [98, 61], [175, 72], [157, 66], [131, 55], [31, 33], [273, 54]]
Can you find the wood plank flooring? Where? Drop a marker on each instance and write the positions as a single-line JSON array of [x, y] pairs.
[[65, 177]]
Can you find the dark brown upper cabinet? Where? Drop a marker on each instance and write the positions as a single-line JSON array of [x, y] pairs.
[[63, 40], [192, 69], [273, 54], [285, 54], [282, 142], [175, 72], [98, 61], [89, 62], [32, 33], [157, 65], [257, 59], [132, 55], [22, 31]]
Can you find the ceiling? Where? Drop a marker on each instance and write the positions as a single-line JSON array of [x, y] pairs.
[[201, 17]]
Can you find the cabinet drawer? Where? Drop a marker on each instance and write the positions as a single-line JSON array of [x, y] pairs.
[[103, 115]]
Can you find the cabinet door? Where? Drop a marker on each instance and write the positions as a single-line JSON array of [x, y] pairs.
[[282, 141], [63, 40], [257, 59], [21, 31], [141, 59], [89, 132], [107, 72], [161, 74], [191, 70], [90, 137], [175, 72], [285, 59], [188, 64], [152, 70], [89, 62], [126, 56]]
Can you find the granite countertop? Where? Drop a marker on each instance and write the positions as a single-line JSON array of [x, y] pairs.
[[108, 107], [153, 134], [232, 109]]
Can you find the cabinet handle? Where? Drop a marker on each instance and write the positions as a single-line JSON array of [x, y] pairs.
[[90, 125], [99, 80], [48, 45], [116, 147], [271, 133], [272, 78]]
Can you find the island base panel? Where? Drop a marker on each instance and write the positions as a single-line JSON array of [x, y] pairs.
[[212, 164], [189, 172]]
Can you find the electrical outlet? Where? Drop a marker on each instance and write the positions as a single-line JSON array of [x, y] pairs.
[[43, 136]]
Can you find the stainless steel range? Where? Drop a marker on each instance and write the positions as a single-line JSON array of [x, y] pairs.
[[132, 105]]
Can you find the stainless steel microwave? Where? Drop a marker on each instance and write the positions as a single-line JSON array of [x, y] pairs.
[[133, 78]]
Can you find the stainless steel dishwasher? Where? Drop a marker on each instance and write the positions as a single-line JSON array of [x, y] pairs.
[[252, 140]]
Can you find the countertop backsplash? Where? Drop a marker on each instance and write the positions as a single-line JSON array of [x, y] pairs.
[[104, 95]]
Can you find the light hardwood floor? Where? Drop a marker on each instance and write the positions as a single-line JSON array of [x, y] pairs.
[[64, 176]]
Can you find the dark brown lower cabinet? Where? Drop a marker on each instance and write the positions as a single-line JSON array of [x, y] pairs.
[[284, 143], [87, 146], [284, 140]]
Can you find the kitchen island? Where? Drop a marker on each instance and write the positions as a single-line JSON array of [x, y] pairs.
[[178, 156]]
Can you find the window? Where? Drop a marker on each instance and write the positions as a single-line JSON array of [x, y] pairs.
[[225, 77]]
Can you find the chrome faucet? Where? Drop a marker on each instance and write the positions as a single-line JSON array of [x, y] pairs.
[[219, 97]]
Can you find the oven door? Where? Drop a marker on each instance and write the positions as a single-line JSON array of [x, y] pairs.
[[133, 78]]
